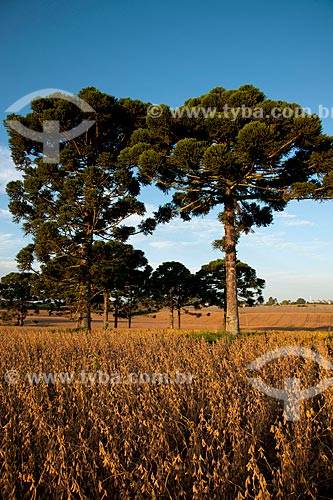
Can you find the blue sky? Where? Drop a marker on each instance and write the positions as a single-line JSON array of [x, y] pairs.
[[166, 52]]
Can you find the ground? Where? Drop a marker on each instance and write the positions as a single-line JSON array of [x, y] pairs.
[[308, 317]]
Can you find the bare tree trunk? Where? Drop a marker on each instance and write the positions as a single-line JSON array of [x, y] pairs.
[[84, 320], [106, 309], [232, 318], [21, 315], [85, 295], [172, 321], [179, 318], [130, 310], [20, 319], [87, 315], [115, 314], [79, 321]]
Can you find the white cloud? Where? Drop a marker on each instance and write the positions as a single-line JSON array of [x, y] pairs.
[[10, 244], [163, 244], [281, 240], [5, 238], [7, 266], [8, 171], [177, 233], [284, 215], [134, 220], [299, 223], [266, 239], [5, 214], [169, 244], [198, 225]]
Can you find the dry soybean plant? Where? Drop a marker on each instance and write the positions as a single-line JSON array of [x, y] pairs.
[[158, 415]]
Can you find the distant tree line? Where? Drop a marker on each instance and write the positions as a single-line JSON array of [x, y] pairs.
[[299, 302], [124, 284], [249, 167]]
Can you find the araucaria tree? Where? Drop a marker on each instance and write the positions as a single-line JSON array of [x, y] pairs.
[[211, 284], [86, 194], [244, 157], [120, 273], [172, 286], [16, 293]]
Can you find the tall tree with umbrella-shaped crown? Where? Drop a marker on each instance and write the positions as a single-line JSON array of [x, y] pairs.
[[236, 150], [85, 194]]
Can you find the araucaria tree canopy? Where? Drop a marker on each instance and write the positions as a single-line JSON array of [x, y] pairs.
[[87, 194], [243, 157]]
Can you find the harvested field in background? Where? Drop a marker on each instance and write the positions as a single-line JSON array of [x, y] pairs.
[[309, 317]]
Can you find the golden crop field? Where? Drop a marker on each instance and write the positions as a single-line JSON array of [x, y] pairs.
[[159, 415]]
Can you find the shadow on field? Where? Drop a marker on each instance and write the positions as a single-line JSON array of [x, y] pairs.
[[295, 328]]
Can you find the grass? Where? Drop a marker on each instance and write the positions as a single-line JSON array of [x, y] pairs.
[[217, 335], [210, 336]]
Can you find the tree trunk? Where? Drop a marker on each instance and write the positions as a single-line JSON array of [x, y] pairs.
[[87, 316], [179, 318], [232, 319], [84, 320], [85, 292], [224, 318], [115, 314], [20, 319], [129, 308], [172, 321], [106, 309], [85, 289], [21, 315]]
